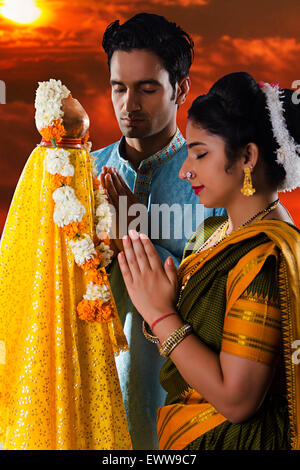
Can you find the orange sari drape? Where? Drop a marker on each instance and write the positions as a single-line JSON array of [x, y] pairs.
[[181, 423]]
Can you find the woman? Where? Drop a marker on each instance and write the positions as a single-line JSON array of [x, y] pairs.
[[227, 321]]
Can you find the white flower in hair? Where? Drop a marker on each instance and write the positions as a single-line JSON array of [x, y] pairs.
[[288, 152]]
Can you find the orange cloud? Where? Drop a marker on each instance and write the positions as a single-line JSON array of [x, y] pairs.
[[275, 52]]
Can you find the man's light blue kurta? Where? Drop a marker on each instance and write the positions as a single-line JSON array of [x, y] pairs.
[[156, 184]]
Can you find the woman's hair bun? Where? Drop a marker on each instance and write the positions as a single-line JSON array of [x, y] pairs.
[[238, 93]]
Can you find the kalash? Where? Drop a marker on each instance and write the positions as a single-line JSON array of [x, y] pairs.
[[59, 327]]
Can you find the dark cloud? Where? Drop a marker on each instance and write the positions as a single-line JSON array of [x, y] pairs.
[[84, 72], [48, 31], [245, 19]]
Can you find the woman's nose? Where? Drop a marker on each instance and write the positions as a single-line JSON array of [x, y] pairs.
[[185, 173]]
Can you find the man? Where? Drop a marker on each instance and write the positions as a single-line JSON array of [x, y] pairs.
[[149, 60]]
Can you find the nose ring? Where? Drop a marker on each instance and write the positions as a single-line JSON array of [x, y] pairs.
[[188, 175]]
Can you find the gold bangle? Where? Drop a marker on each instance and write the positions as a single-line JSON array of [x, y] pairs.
[[174, 339], [148, 336]]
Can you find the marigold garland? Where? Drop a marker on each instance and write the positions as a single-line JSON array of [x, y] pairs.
[[91, 255], [49, 113], [89, 309]]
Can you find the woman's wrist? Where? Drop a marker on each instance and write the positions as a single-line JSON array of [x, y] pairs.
[[165, 328], [163, 317]]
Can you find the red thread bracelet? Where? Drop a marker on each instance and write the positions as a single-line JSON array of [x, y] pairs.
[[162, 318]]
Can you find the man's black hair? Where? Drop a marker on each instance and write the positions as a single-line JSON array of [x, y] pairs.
[[156, 34]]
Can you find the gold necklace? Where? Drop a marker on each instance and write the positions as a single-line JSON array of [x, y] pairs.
[[261, 213], [223, 228]]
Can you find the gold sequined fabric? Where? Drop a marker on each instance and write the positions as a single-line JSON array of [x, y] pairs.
[[59, 387]]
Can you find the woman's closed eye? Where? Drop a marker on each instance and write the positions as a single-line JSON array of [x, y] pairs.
[[202, 155]]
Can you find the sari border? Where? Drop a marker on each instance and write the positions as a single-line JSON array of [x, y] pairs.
[[284, 236]]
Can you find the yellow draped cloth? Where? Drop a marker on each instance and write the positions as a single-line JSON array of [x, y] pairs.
[[59, 386], [253, 329]]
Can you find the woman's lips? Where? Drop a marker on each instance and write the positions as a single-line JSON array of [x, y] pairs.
[[197, 189]]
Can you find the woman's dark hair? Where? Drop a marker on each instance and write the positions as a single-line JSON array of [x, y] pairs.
[[235, 109], [156, 34]]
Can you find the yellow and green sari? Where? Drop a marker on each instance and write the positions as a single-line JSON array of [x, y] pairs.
[[242, 298]]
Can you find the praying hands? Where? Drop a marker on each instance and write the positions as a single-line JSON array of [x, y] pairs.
[[115, 187], [151, 285]]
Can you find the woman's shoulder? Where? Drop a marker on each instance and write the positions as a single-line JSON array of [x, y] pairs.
[[280, 225], [203, 232]]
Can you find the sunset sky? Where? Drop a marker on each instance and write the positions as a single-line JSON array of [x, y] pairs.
[[261, 37]]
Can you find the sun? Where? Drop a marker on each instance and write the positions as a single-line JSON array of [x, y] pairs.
[[21, 11]]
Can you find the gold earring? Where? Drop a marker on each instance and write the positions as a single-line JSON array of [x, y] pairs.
[[247, 188]]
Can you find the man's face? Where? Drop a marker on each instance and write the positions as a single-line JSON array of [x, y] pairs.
[[141, 93]]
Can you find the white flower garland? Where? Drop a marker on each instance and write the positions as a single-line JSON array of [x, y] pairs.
[[69, 209], [48, 102], [103, 214], [288, 153]]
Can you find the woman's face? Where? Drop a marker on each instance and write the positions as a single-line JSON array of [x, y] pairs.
[[207, 163]]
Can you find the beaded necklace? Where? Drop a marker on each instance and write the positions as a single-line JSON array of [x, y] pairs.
[[223, 229]]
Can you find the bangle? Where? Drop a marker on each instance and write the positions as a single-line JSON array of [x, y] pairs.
[[174, 339], [153, 339], [161, 318]]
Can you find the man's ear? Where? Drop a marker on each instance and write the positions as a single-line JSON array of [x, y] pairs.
[[183, 87]]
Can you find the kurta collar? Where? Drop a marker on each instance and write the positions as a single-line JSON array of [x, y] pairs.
[[147, 166]]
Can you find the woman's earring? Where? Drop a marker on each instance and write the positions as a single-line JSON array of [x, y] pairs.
[[247, 188]]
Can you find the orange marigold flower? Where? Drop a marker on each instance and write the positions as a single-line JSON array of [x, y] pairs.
[[56, 131], [73, 228], [87, 311], [85, 138], [56, 181], [95, 310], [95, 239], [98, 276], [106, 240], [104, 311], [96, 183]]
